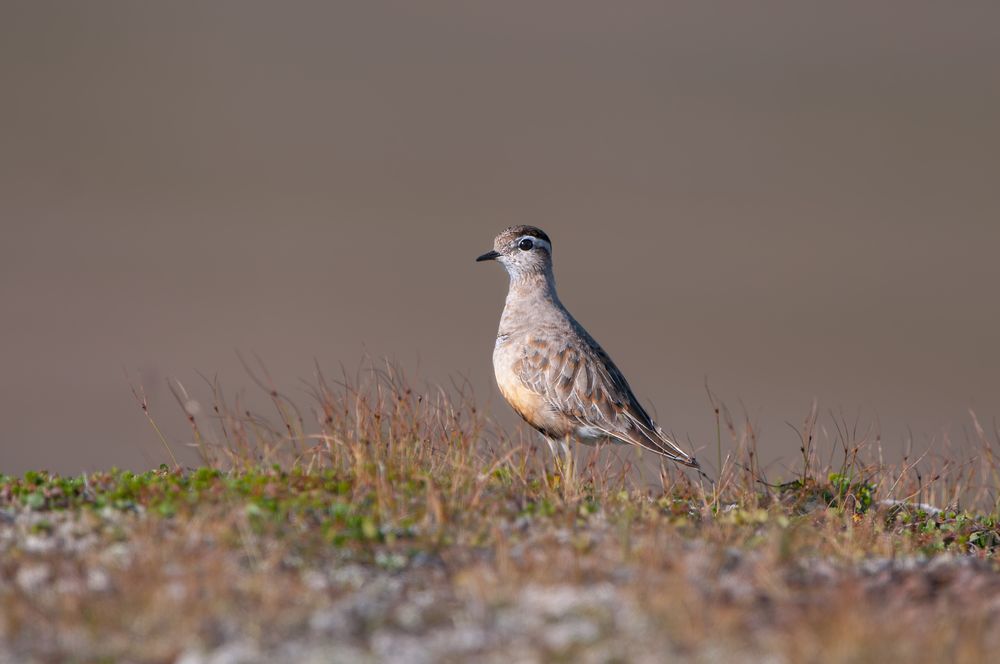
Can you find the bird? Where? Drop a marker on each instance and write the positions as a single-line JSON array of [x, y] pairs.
[[551, 371]]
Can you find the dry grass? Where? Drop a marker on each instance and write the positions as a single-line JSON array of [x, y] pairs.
[[388, 523]]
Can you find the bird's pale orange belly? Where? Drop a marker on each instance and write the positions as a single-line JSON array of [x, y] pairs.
[[528, 404]]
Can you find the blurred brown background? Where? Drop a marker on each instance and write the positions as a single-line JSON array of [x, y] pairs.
[[793, 200]]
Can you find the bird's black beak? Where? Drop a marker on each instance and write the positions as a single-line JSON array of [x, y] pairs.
[[488, 256]]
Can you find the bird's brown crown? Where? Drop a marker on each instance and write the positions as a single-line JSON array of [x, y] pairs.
[[514, 232]]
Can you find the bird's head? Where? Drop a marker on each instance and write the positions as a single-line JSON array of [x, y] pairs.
[[522, 250]]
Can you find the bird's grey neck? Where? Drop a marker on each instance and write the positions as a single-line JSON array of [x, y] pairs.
[[533, 279], [528, 292]]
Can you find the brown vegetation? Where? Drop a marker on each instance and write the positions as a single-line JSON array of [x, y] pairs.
[[399, 524]]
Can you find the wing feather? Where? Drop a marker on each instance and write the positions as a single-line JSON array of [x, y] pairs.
[[578, 379]]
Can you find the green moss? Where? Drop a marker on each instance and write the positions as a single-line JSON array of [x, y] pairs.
[[341, 508]]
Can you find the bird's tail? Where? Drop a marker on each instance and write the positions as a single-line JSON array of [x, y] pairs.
[[672, 450], [652, 439], [657, 441]]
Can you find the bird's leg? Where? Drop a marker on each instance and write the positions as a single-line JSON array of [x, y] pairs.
[[569, 467], [567, 455], [552, 448], [562, 458]]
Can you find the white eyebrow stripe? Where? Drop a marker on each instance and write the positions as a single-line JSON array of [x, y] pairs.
[[537, 240]]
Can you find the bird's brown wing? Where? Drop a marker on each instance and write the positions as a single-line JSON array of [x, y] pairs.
[[578, 379]]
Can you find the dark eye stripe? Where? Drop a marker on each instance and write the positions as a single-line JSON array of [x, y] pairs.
[[526, 244]]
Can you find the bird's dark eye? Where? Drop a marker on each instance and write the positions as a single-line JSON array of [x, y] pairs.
[[526, 244]]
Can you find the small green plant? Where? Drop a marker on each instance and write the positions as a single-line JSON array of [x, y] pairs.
[[844, 490]]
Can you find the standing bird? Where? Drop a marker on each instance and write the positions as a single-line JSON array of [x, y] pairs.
[[551, 371]]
